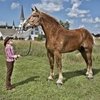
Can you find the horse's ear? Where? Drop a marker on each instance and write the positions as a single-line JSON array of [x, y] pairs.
[[32, 9], [36, 9]]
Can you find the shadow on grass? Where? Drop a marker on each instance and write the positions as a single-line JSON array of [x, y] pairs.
[[71, 74], [26, 80]]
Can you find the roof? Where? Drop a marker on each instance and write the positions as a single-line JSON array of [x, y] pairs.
[[8, 32]]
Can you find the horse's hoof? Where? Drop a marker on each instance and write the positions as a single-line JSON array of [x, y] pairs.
[[87, 74], [59, 82], [50, 78], [90, 76], [58, 85]]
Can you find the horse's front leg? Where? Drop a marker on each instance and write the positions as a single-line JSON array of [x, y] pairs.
[[59, 66], [51, 61]]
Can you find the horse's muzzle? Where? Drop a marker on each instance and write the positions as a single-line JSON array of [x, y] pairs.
[[26, 27]]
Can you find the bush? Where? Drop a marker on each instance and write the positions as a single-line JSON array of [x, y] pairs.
[[1, 38], [40, 37]]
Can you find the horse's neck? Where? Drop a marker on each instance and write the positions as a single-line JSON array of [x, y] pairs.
[[50, 28]]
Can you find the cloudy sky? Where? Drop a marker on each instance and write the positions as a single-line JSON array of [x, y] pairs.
[[80, 13]]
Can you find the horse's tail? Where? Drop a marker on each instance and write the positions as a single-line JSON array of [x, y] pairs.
[[94, 42]]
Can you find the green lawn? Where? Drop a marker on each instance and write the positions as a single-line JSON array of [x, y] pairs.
[[31, 72]]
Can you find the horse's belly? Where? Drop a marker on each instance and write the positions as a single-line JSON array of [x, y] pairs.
[[70, 48]]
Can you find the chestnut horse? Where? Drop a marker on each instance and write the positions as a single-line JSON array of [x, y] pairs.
[[59, 40]]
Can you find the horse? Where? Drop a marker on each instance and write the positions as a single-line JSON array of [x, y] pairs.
[[60, 40]]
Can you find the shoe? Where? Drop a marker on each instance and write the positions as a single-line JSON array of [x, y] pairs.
[[10, 87]]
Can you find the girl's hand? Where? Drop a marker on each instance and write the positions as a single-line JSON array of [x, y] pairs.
[[18, 56], [15, 56]]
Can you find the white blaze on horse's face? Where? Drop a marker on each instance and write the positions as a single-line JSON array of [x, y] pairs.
[[25, 23]]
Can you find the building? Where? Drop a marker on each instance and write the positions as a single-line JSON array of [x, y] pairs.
[[6, 30], [22, 18], [33, 33], [18, 32]]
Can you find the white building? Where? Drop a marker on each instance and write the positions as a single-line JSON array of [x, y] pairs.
[[33, 33], [18, 31]]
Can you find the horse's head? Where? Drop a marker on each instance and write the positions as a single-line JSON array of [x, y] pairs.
[[33, 20]]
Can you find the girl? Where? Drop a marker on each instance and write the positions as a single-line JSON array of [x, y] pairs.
[[10, 59]]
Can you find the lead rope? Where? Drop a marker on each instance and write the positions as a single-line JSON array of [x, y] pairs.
[[28, 50]]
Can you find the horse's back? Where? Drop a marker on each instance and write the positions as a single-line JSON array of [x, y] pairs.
[[79, 38]]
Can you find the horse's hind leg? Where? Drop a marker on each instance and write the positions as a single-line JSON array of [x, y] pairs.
[[51, 61], [89, 72], [87, 55]]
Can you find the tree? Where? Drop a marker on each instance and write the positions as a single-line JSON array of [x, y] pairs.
[[29, 38], [65, 24], [16, 38], [1, 38]]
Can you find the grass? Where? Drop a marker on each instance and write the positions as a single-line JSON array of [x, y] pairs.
[[31, 72]]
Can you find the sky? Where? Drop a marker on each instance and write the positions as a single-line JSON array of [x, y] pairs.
[[79, 13]]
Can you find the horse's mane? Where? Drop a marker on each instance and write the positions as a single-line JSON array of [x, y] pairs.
[[50, 18]]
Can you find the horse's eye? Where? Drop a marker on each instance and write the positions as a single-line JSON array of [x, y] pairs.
[[35, 15]]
